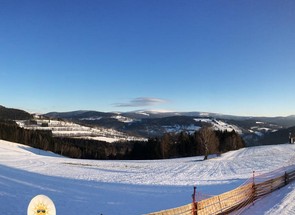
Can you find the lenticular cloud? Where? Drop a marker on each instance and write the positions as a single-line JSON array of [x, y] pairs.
[[141, 102]]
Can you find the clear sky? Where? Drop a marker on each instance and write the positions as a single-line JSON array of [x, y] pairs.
[[222, 56]]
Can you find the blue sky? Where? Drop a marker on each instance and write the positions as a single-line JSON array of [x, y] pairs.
[[232, 57]]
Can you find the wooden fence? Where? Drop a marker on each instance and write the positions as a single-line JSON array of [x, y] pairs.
[[226, 202], [237, 200], [183, 210]]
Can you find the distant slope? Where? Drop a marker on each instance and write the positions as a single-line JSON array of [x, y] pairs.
[[153, 123], [61, 128], [13, 114], [280, 136], [288, 121], [78, 115], [254, 130], [145, 124]]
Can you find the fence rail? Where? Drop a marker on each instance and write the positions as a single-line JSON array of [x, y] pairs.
[[236, 200], [226, 202], [183, 210]]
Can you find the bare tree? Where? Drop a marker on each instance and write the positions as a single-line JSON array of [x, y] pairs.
[[208, 140], [165, 141]]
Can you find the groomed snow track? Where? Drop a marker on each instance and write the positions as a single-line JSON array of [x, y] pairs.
[[110, 187]]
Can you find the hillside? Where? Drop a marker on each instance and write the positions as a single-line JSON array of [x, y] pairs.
[[278, 136], [134, 187], [140, 125], [62, 128], [151, 123], [13, 114]]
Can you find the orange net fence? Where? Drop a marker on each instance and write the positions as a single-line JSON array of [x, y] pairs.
[[239, 199]]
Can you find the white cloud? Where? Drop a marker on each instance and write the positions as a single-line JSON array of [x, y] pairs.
[[142, 102]]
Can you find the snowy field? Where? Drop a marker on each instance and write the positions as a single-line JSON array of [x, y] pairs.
[[60, 128], [134, 187]]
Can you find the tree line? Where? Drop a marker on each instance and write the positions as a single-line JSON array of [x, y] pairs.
[[70, 147], [203, 142], [171, 145]]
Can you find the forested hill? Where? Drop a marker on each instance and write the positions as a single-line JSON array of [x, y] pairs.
[[13, 114]]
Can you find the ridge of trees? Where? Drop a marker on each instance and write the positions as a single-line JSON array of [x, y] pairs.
[[13, 114], [171, 145]]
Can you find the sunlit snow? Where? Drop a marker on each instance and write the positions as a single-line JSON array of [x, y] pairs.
[[133, 187]]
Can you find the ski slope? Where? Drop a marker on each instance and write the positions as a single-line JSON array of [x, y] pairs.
[[134, 187], [61, 128]]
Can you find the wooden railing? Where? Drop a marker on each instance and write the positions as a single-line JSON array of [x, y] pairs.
[[237, 200], [226, 202], [183, 210]]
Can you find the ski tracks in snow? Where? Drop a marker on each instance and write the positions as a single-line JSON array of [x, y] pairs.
[[212, 176], [181, 171]]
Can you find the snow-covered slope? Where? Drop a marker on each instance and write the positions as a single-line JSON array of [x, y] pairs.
[[254, 130], [279, 202], [220, 125], [61, 128], [132, 187]]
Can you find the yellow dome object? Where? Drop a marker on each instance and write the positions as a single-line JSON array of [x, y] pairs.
[[41, 205]]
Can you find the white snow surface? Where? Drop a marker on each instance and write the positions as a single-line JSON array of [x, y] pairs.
[[61, 128], [123, 119], [178, 128], [220, 125], [134, 187]]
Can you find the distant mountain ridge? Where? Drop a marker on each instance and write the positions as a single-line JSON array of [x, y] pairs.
[[151, 123], [254, 130], [287, 121]]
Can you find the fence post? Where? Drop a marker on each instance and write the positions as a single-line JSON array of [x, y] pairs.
[[253, 178], [253, 188], [194, 211], [286, 178], [221, 211]]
